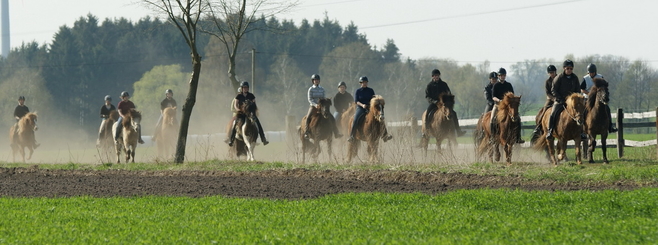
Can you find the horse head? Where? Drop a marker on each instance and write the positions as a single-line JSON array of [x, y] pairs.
[[576, 107], [169, 115], [377, 106], [509, 107], [600, 91], [135, 119], [325, 107], [29, 121], [249, 108], [446, 103]]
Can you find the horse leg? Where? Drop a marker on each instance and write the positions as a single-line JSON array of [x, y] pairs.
[[353, 149], [372, 150], [424, 142], [590, 149], [551, 151], [22, 150], [508, 153], [604, 144], [31, 151], [578, 153], [496, 147], [329, 142], [118, 148]]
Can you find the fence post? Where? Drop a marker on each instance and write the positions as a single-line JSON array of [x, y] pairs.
[[656, 131], [620, 132], [414, 128]]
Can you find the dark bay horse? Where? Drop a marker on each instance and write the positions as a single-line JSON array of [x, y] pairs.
[[167, 136], [569, 126], [369, 129], [505, 131], [24, 138], [596, 120], [127, 141], [442, 125], [321, 129], [247, 131]]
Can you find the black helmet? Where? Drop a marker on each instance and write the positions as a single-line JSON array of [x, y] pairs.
[[493, 74], [124, 94], [169, 91], [108, 97], [21, 97], [436, 72], [341, 83], [244, 84], [315, 77], [502, 71], [363, 79], [551, 68], [567, 63], [591, 68]]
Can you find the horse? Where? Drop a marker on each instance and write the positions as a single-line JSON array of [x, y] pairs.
[[370, 128], [442, 126], [596, 119], [505, 130], [106, 136], [321, 129], [24, 136], [569, 126], [246, 131], [166, 139], [127, 141]]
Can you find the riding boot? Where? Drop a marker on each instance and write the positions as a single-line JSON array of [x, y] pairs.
[[519, 140], [139, 134], [611, 128], [551, 124], [307, 131], [386, 136], [231, 137], [261, 133]]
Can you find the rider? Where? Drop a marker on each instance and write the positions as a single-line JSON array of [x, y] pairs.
[[362, 98], [19, 112], [105, 114], [123, 107], [493, 79], [243, 96], [432, 92], [315, 93], [565, 84], [498, 92], [168, 101], [587, 84], [548, 85], [342, 100]]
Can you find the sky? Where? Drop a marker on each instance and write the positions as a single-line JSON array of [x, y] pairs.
[[468, 31]]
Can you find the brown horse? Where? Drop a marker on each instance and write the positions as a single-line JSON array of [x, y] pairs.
[[321, 129], [106, 136], [596, 120], [167, 137], [505, 131], [27, 125], [569, 126], [127, 141], [247, 131], [369, 129], [442, 125]]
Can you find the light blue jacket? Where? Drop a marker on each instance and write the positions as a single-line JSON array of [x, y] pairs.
[[315, 93]]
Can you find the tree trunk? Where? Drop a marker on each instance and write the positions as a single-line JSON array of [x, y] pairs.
[[231, 71], [187, 108]]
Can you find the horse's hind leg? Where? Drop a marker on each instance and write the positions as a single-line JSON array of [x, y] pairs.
[[132, 154], [603, 148], [590, 149], [31, 151]]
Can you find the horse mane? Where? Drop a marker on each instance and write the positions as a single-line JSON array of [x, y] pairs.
[[114, 115], [27, 120], [132, 113], [600, 84], [169, 114], [446, 99], [504, 105], [375, 101], [574, 99]]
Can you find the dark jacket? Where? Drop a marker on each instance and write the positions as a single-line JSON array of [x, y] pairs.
[[434, 89], [105, 112], [242, 98], [342, 101], [564, 86], [364, 95], [488, 95], [20, 111], [167, 103], [501, 88]]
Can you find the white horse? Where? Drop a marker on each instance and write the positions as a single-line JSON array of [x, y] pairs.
[[127, 141]]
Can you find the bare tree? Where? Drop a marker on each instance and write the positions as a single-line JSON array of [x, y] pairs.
[[185, 15]]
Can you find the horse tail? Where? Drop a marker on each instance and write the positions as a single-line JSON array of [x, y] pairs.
[[540, 144]]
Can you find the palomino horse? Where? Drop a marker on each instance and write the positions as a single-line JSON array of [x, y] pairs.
[[106, 136], [25, 136], [504, 132], [369, 129], [569, 126], [321, 129], [166, 139], [127, 141], [596, 120], [247, 131], [442, 125]]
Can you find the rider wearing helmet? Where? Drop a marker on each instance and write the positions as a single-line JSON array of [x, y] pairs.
[[123, 107], [105, 114], [315, 93], [498, 92], [243, 96], [168, 101], [432, 92], [551, 70], [493, 79], [342, 100], [19, 112], [564, 84], [587, 84]]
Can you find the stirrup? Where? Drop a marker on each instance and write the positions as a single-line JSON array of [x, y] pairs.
[[612, 130]]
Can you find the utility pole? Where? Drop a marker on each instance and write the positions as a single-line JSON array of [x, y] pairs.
[[253, 70]]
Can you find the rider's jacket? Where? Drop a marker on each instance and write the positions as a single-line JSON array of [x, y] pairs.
[[315, 93], [501, 88], [564, 85], [434, 89]]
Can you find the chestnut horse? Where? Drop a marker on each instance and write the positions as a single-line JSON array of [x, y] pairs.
[[27, 125], [569, 126], [321, 129], [166, 139], [247, 131], [370, 128], [127, 141], [505, 131], [442, 125], [596, 120]]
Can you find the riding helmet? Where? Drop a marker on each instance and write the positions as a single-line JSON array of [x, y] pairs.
[[551, 68], [21, 97], [493, 74], [502, 71], [169, 91], [315, 77], [436, 72], [591, 68], [244, 84], [363, 79], [341, 83], [567, 63], [124, 94], [108, 98]]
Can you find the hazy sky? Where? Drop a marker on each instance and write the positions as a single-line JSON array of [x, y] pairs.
[[472, 31]]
